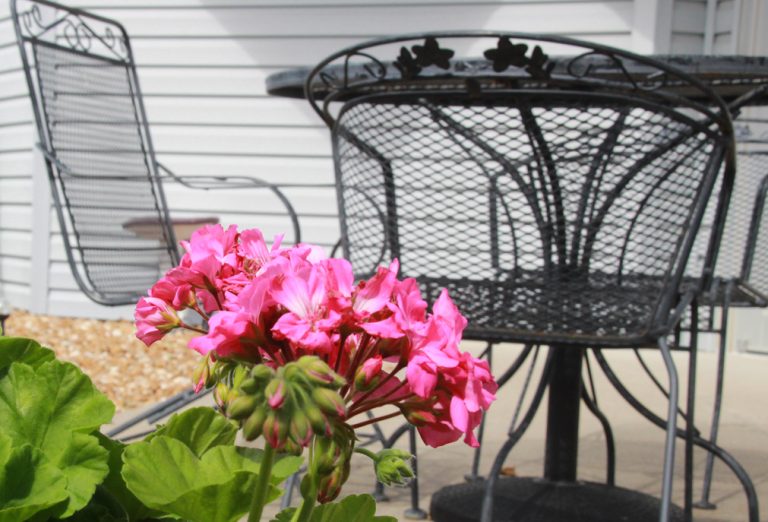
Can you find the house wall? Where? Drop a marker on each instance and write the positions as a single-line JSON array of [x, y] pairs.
[[202, 66]]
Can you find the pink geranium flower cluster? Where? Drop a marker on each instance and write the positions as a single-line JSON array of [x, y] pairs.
[[271, 305]]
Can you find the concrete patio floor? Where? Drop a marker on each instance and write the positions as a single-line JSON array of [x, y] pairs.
[[639, 445]]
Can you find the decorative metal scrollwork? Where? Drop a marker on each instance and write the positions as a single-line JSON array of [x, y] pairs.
[[604, 66], [72, 30]]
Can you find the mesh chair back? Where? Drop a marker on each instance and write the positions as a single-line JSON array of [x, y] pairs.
[[553, 210], [93, 132], [755, 263]]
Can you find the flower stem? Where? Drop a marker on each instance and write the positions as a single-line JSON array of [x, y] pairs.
[[262, 485], [376, 419], [307, 502]]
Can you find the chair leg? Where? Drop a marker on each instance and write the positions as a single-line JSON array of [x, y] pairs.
[[690, 408], [515, 433], [669, 443], [704, 502], [610, 445], [473, 474], [414, 512]]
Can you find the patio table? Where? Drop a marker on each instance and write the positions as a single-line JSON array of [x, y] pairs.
[[737, 79]]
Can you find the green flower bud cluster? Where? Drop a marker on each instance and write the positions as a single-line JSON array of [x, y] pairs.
[[331, 463], [288, 405], [393, 467]]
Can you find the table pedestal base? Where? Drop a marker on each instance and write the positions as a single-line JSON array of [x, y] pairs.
[[538, 500]]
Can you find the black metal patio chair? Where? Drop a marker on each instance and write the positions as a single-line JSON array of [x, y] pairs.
[[556, 199], [107, 185]]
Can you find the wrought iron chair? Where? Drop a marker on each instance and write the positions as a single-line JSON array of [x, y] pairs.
[[556, 199], [93, 131], [107, 185]]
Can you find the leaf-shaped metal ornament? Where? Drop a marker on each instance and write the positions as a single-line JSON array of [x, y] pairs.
[[406, 64], [431, 54], [539, 66], [507, 54]]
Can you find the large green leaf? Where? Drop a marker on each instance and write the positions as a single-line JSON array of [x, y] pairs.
[[354, 508], [53, 407], [29, 484], [43, 406], [165, 474], [115, 486], [200, 429], [19, 349]]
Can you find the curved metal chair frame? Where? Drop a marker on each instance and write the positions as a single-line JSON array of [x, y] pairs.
[[94, 135], [388, 112]]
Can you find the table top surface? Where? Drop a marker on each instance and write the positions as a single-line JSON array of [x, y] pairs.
[[729, 76]]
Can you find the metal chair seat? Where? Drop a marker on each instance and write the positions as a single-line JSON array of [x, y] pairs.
[[528, 306]]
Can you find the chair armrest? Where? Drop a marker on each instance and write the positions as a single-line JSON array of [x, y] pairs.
[[237, 182]]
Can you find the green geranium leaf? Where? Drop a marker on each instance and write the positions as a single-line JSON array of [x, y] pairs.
[[103, 507], [43, 406], [53, 407], [354, 508], [165, 474], [200, 429], [84, 464], [19, 349], [285, 515], [114, 484], [29, 484]]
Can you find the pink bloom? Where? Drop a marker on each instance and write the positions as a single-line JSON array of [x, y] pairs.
[[408, 313], [254, 249], [154, 318], [227, 332], [212, 241], [309, 321], [180, 296], [373, 295]]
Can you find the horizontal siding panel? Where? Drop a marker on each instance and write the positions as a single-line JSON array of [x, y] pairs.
[[13, 138], [223, 111], [14, 270], [17, 295], [17, 109], [16, 244], [215, 5], [275, 170], [686, 44], [16, 218], [205, 82], [247, 141], [70, 303], [15, 164], [374, 19], [689, 17], [288, 53], [16, 191], [260, 201], [724, 16]]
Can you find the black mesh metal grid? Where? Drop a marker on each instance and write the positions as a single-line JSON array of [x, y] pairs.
[[95, 131], [547, 218]]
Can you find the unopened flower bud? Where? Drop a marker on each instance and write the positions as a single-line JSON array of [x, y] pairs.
[[252, 427], [275, 393], [262, 373], [241, 407], [367, 376], [317, 420], [222, 394], [318, 372], [419, 418], [329, 401], [275, 429], [301, 431], [202, 375], [393, 468], [249, 385]]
